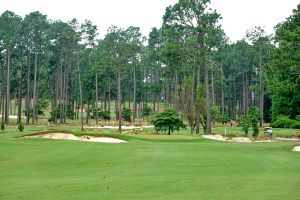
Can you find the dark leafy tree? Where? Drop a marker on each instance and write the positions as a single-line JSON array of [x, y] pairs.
[[283, 70], [168, 121]]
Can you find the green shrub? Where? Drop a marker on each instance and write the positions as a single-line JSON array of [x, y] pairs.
[[126, 115], [70, 112], [43, 104], [21, 127], [30, 113], [283, 122], [223, 118], [254, 118], [147, 111], [255, 131], [105, 115], [2, 126], [245, 124], [251, 120], [296, 125], [55, 113]]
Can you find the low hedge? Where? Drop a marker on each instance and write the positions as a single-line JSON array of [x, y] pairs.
[[286, 122]]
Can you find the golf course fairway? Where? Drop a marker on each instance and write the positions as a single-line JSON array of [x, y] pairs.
[[154, 167]]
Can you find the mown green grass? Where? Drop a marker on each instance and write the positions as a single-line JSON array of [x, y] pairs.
[[146, 167]]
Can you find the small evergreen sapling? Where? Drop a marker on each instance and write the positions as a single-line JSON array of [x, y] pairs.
[[21, 127], [2, 126], [254, 118], [245, 124], [127, 115]]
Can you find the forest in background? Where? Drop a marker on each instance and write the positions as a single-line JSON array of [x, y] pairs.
[[187, 64]]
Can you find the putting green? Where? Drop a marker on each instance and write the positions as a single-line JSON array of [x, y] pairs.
[[147, 167]]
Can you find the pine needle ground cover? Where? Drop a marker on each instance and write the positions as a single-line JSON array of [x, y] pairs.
[[147, 167]]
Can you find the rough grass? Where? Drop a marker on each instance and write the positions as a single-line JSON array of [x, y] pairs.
[[146, 167], [277, 132]]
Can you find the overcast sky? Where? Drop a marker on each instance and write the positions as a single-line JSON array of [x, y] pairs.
[[238, 15]]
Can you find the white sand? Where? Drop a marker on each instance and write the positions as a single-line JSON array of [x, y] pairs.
[[68, 136], [296, 148], [116, 127], [15, 117], [234, 139], [215, 137], [288, 139]]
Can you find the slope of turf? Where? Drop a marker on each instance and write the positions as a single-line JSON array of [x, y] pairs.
[[154, 167]]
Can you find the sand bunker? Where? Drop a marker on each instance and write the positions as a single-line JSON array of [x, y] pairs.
[[296, 148], [68, 136], [116, 127], [234, 139]]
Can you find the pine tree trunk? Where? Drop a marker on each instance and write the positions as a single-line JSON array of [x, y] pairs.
[[34, 102], [2, 94], [37, 107], [261, 87], [7, 100], [28, 97], [109, 96], [134, 95], [176, 91], [80, 91], [129, 96], [105, 102], [15, 105], [153, 97], [51, 92], [56, 106], [247, 93], [1, 91], [65, 94], [244, 95], [213, 88], [61, 90], [234, 100], [145, 97], [97, 116], [198, 76], [102, 102], [142, 102], [207, 101], [119, 100], [87, 113], [158, 100], [116, 105], [222, 91], [20, 94], [197, 120]]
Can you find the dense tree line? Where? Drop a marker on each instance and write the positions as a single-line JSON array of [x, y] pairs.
[[187, 64]]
